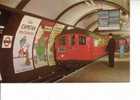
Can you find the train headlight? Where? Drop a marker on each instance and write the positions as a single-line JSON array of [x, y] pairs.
[[62, 55]]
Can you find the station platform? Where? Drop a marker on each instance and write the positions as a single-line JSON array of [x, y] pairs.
[[99, 71]]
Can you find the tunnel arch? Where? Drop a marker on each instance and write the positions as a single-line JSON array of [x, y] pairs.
[[73, 15], [82, 2], [86, 15]]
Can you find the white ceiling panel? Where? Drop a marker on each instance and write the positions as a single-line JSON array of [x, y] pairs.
[[86, 21], [10, 3], [49, 8], [71, 16]]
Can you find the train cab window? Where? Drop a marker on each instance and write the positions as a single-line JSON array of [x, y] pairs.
[[82, 40], [72, 42], [63, 40]]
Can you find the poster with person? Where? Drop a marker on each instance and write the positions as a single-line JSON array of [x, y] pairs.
[[40, 55], [23, 44]]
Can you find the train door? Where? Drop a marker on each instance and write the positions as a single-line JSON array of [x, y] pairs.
[[71, 46], [82, 47], [95, 47], [61, 44], [72, 41], [82, 41]]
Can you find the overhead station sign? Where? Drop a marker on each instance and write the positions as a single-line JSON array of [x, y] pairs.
[[109, 20]]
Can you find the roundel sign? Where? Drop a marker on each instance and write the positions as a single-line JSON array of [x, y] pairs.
[[7, 41]]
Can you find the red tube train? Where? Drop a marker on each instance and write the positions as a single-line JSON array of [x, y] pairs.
[[78, 47]]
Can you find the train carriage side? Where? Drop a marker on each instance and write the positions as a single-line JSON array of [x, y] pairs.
[[74, 47], [77, 47], [99, 47]]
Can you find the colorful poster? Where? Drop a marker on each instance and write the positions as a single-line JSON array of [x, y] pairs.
[[40, 55], [23, 44], [57, 29], [7, 41]]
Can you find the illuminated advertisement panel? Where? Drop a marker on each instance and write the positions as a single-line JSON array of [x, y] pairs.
[[57, 29], [23, 44], [40, 55]]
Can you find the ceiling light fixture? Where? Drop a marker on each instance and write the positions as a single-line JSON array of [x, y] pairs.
[[90, 2]]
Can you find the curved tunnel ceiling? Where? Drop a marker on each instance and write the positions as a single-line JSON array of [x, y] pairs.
[[10, 3], [87, 17], [73, 12], [53, 8], [102, 3], [49, 8]]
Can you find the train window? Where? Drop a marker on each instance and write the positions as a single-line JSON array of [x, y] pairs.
[[82, 40], [72, 40], [63, 40]]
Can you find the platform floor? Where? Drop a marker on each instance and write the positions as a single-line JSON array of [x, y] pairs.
[[99, 71]]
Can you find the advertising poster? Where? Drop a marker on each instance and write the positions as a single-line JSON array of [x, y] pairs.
[[40, 55], [23, 44], [57, 29], [7, 41]]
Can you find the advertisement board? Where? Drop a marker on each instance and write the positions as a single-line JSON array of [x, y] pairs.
[[40, 55], [23, 44], [57, 29]]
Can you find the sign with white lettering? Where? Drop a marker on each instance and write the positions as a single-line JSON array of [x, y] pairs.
[[23, 44]]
